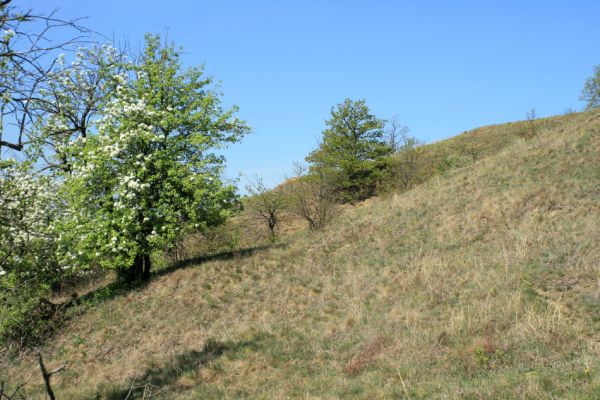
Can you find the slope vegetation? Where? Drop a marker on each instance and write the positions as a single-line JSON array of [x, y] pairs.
[[482, 282]]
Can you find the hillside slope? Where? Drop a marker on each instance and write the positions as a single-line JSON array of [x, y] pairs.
[[483, 282]]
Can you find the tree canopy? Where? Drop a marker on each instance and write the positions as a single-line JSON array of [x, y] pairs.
[[353, 145], [149, 171], [591, 90]]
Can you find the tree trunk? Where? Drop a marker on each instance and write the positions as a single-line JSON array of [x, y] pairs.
[[272, 222], [146, 268], [139, 270]]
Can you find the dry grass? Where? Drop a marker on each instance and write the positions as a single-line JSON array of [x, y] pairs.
[[367, 355], [483, 282]]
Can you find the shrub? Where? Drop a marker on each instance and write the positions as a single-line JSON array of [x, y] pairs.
[[267, 205], [591, 90], [404, 167], [29, 252], [312, 196]]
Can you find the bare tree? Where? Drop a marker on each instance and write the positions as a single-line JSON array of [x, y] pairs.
[[532, 124], [267, 204], [27, 58], [405, 165], [312, 196], [395, 133]]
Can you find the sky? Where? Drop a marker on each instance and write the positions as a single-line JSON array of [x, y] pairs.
[[443, 67]]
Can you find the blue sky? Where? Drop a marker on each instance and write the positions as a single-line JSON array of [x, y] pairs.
[[442, 66]]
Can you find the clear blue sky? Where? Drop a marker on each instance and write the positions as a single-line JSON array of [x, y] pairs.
[[443, 66]]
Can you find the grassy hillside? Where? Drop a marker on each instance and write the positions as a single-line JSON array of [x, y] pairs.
[[482, 282]]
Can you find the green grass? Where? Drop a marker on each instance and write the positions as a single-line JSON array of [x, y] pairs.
[[481, 282]]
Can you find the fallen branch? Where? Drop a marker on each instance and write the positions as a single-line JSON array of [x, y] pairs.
[[47, 375]]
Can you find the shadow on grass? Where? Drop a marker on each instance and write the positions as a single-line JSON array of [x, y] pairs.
[[160, 378], [223, 255], [57, 314], [116, 289]]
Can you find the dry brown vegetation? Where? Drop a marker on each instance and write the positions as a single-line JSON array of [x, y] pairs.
[[483, 282]]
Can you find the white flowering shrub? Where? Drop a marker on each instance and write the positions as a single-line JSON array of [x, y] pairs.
[[148, 173], [29, 261]]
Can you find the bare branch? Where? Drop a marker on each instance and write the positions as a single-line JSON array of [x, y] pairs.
[[47, 375], [26, 60]]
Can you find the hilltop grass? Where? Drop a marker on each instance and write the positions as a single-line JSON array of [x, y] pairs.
[[480, 283]]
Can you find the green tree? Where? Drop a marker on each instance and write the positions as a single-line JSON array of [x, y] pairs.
[[149, 172], [353, 146], [591, 90]]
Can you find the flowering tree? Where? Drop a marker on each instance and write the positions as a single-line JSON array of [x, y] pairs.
[[27, 57], [69, 104], [149, 172], [29, 261], [30, 250]]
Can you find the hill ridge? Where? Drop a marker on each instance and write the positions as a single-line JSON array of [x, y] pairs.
[[479, 283]]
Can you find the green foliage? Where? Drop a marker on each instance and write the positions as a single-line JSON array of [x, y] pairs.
[[148, 174], [25, 318], [454, 161], [591, 90], [353, 147]]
